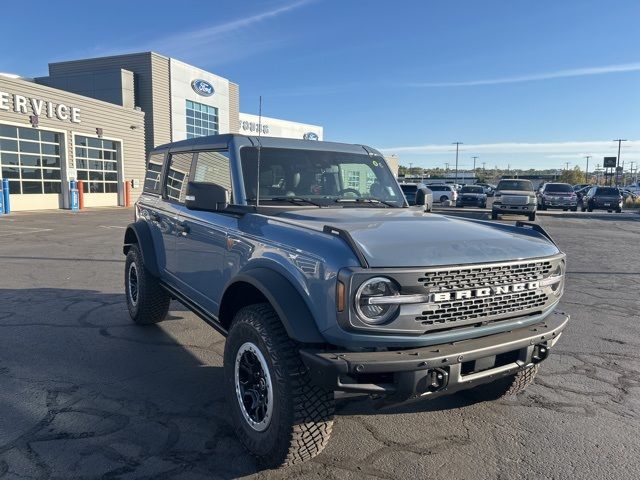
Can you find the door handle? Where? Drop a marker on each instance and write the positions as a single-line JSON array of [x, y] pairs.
[[182, 229]]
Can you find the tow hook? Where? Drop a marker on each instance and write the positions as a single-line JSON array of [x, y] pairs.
[[540, 352]]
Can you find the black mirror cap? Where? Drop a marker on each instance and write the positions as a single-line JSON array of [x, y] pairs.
[[208, 197]]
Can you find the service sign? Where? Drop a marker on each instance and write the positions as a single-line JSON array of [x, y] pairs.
[[202, 87], [38, 107]]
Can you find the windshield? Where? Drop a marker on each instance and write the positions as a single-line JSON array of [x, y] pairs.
[[524, 185], [607, 191], [558, 187], [317, 177], [472, 190]]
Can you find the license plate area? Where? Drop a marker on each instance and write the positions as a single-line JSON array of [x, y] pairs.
[[487, 363]]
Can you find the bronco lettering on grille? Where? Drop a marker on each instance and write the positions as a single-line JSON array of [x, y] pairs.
[[483, 292]]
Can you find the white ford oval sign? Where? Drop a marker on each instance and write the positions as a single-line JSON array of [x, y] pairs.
[[202, 87]]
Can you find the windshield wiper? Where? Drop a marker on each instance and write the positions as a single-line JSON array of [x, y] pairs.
[[295, 200], [365, 200]]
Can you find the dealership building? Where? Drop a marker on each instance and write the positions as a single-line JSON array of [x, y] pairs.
[[96, 119]]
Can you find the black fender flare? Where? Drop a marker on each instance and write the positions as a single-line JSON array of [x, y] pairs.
[[294, 313], [140, 233]]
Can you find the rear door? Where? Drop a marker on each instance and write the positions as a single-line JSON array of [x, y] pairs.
[[168, 210], [203, 242]]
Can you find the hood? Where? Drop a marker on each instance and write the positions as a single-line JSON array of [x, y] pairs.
[[404, 237], [471, 194]]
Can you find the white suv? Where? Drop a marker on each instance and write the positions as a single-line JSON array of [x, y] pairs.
[[442, 193]]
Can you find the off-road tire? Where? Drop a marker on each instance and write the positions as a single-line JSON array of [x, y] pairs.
[[302, 416], [532, 216], [505, 387], [152, 303], [494, 216]]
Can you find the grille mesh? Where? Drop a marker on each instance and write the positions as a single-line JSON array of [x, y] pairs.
[[484, 309], [485, 276]]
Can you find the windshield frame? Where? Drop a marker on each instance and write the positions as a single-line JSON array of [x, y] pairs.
[[498, 188], [479, 189], [392, 196], [568, 188]]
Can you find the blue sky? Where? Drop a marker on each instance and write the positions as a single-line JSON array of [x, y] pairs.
[[530, 84]]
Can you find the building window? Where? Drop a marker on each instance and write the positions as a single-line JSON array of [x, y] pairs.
[[353, 180], [97, 163], [30, 159], [202, 120], [177, 175]]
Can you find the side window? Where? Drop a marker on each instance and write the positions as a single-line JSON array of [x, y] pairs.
[[213, 167], [175, 187], [154, 170]]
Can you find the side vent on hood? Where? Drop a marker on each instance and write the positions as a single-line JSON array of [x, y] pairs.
[[348, 239]]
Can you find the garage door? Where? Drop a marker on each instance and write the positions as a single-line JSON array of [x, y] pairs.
[[31, 160], [98, 162]]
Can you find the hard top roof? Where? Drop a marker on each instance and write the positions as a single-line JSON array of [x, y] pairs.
[[222, 141]]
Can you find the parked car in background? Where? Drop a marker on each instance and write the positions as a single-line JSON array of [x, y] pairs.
[[602, 198], [514, 196], [442, 192], [634, 187], [557, 195], [413, 191], [580, 186], [473, 196], [626, 193], [488, 188]]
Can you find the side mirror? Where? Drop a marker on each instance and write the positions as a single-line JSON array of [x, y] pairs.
[[206, 196]]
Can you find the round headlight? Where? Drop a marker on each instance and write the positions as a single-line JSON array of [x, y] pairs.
[[370, 312]]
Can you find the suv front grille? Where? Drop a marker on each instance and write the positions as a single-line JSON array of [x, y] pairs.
[[456, 313], [484, 276], [480, 309]]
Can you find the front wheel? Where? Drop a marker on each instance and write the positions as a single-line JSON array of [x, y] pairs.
[[279, 415], [494, 216], [532, 216], [147, 301], [443, 198]]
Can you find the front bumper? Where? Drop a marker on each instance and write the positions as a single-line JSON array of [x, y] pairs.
[[560, 203], [436, 370], [475, 202], [500, 208]]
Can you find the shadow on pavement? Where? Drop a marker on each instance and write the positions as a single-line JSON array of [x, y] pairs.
[[86, 393]]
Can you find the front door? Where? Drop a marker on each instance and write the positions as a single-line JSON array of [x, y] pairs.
[[202, 244]]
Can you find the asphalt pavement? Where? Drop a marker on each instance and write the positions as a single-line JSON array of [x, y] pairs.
[[84, 393]]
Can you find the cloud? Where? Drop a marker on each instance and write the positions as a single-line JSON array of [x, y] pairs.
[[353, 86], [631, 149], [217, 43], [576, 72]]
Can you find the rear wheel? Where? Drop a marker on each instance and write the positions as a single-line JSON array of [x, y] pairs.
[[147, 301], [589, 209], [443, 198], [574, 209], [279, 415], [505, 387]]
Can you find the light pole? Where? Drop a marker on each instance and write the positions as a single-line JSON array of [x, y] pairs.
[[586, 172], [619, 140], [474, 165], [457, 144]]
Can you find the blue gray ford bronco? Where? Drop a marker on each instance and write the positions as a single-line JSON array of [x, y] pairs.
[[306, 256]]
